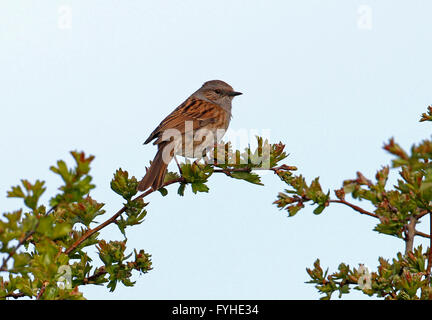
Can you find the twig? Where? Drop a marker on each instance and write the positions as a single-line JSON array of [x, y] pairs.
[[113, 219], [229, 171], [20, 243], [276, 170], [410, 233], [90, 279], [422, 234], [422, 214], [90, 232], [429, 267], [356, 208], [42, 290], [14, 295], [51, 210], [283, 167]]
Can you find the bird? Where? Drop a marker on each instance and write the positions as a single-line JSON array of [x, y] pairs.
[[196, 124]]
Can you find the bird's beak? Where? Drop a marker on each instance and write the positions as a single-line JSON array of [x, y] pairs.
[[234, 93]]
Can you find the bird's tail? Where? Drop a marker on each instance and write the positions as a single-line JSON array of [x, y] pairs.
[[156, 173]]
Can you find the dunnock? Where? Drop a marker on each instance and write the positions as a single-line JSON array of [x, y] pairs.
[[190, 129]]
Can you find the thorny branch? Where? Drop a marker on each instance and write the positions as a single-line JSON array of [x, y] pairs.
[[42, 290], [98, 274], [429, 266], [14, 295], [20, 243], [410, 233], [356, 208], [90, 232]]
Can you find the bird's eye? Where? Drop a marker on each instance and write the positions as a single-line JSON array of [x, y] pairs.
[[218, 91]]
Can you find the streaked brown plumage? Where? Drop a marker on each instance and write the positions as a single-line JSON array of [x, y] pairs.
[[208, 108]]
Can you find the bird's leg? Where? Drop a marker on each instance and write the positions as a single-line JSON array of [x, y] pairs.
[[178, 165], [206, 159]]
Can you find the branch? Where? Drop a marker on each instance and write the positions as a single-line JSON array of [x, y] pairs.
[[14, 295], [90, 232], [20, 243], [422, 214], [429, 267], [356, 208], [410, 233], [98, 274], [283, 167], [422, 234], [42, 290], [228, 171]]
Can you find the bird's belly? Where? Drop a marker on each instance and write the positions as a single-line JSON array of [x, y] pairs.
[[195, 145]]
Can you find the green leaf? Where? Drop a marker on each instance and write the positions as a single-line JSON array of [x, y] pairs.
[[122, 185], [181, 189], [427, 116], [292, 210], [247, 176], [319, 209], [163, 191], [31, 196], [16, 192], [199, 187]]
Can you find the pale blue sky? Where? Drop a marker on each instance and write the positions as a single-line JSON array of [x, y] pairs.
[[333, 92]]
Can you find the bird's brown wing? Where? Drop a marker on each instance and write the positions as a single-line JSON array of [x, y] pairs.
[[199, 112]]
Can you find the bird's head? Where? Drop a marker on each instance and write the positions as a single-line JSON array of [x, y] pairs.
[[218, 92]]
